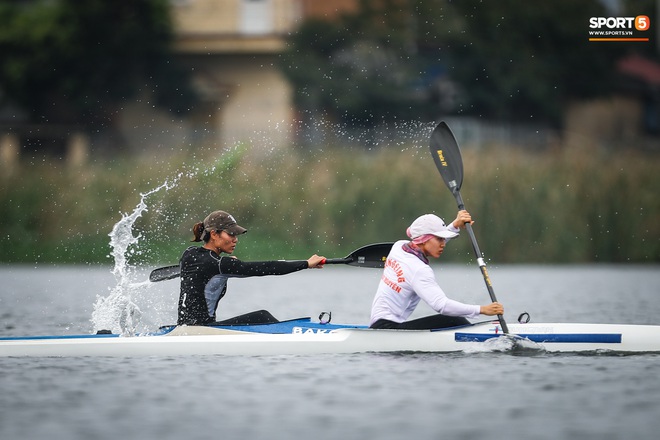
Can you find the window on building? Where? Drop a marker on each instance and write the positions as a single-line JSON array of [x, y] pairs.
[[257, 17]]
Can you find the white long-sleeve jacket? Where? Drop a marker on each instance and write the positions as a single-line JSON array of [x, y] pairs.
[[407, 279]]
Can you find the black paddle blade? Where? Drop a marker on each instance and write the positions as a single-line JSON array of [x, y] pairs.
[[164, 273], [447, 156], [373, 255]]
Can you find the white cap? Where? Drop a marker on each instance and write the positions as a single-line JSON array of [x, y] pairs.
[[430, 224]]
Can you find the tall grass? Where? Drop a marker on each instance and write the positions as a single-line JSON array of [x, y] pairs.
[[557, 206]]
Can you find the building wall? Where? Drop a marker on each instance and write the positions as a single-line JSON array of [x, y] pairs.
[[251, 102], [329, 8], [232, 48], [236, 17]]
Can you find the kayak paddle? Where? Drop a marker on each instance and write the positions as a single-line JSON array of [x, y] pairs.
[[371, 255], [447, 158]]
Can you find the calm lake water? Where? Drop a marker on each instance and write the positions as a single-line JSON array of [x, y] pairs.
[[366, 396]]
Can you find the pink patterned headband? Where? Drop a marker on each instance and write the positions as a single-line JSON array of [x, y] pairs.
[[421, 239]]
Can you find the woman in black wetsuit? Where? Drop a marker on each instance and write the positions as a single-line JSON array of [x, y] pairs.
[[204, 273]]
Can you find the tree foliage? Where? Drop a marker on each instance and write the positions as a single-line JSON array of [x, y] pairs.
[[416, 59], [523, 60], [359, 68], [77, 61]]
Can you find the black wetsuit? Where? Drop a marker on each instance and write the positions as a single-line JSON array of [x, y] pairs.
[[204, 276]]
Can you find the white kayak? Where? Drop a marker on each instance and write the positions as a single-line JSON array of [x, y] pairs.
[[302, 336]]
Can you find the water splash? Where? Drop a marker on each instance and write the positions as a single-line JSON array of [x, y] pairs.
[[118, 312], [506, 344]]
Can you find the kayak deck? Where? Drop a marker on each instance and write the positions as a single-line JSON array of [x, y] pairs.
[[302, 336], [293, 326]]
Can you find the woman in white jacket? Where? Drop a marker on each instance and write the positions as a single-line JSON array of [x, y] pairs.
[[408, 278]]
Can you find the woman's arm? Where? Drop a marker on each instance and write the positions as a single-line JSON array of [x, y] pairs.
[[427, 288], [234, 267]]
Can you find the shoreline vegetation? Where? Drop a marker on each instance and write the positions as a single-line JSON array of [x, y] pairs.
[[555, 206]]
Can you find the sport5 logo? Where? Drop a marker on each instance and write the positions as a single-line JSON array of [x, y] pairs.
[[641, 22]]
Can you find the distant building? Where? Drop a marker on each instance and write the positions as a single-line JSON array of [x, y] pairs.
[[232, 48]]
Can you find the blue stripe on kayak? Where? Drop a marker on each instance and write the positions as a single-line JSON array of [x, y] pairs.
[[288, 327], [602, 338], [301, 325]]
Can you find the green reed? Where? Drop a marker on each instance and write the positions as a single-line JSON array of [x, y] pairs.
[[555, 206]]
